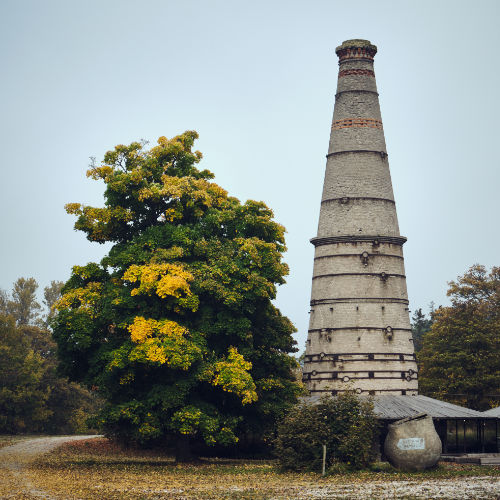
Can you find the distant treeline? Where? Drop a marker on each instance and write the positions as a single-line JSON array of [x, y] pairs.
[[33, 398]]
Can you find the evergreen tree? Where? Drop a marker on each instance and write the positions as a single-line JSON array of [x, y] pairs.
[[420, 324]]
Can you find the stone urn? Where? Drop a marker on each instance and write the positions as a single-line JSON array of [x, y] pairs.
[[413, 443]]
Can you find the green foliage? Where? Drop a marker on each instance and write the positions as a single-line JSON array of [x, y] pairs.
[[346, 424], [4, 302], [460, 358], [33, 398], [22, 396], [419, 325], [175, 328]]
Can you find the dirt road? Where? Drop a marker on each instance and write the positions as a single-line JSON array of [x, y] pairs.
[[15, 457]]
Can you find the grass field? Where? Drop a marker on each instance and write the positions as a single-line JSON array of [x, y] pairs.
[[99, 469]]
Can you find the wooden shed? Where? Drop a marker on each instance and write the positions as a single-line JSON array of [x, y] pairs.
[[461, 430]]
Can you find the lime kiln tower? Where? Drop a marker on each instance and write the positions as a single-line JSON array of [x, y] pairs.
[[359, 333]]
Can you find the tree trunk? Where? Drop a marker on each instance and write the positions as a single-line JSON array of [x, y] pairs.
[[183, 450]]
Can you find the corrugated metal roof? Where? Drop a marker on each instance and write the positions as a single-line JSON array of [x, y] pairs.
[[494, 412], [397, 407], [405, 406]]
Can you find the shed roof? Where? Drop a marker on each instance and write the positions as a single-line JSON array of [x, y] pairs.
[[494, 412], [389, 407]]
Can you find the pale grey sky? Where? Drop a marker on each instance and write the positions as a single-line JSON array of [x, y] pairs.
[[257, 81]]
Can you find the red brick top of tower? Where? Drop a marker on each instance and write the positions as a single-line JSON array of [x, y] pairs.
[[356, 49]]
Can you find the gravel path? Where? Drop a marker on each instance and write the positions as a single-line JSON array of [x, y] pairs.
[[15, 457], [467, 488]]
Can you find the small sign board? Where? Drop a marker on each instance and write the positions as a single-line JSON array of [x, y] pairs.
[[411, 444]]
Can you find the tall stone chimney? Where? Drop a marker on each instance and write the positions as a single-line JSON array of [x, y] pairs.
[[359, 332]]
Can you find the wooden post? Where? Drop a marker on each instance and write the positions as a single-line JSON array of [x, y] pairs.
[[324, 460]]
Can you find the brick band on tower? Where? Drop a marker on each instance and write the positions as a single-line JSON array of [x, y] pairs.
[[359, 332]]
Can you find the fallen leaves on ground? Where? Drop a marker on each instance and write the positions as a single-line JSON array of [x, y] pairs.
[[99, 468]]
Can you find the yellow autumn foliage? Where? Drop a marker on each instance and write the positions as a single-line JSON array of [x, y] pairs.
[[163, 342], [232, 375], [84, 299], [178, 354], [142, 329], [270, 384], [155, 352], [103, 172], [187, 420], [194, 190], [99, 215], [166, 280]]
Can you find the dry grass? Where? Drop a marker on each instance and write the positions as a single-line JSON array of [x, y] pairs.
[[10, 484], [9, 479], [100, 469]]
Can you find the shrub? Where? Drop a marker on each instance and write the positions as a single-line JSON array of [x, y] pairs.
[[346, 424]]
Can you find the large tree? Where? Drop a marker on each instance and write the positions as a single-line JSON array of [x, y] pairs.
[[176, 327], [460, 357]]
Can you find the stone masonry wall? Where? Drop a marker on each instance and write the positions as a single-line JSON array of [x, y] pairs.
[[358, 174]]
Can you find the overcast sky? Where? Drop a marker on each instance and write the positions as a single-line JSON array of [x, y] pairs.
[[257, 81]]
